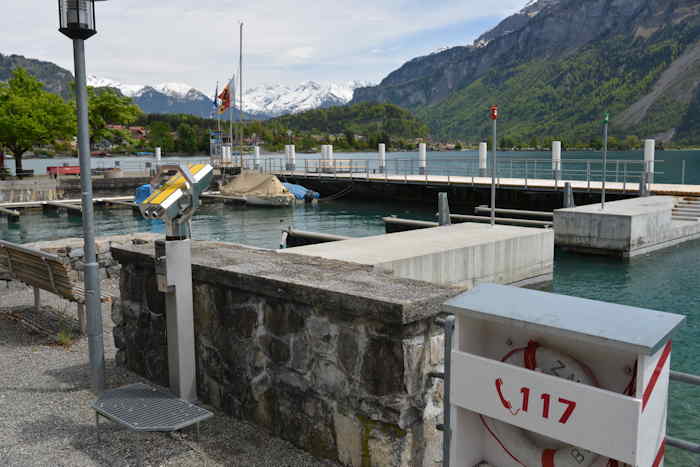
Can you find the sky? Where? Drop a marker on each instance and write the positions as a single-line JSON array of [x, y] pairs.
[[285, 41]]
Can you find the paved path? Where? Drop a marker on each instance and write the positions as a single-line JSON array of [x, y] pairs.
[[46, 420]]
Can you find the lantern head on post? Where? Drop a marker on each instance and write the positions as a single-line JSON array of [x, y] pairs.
[[493, 112], [77, 18]]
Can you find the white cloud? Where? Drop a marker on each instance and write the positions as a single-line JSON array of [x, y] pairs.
[[285, 40]]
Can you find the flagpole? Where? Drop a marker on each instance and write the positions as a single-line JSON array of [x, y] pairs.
[[230, 111], [240, 110]]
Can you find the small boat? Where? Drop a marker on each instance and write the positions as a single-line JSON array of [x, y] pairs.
[[258, 189]]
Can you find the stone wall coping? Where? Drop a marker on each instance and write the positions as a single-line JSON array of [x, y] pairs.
[[355, 289], [76, 242]]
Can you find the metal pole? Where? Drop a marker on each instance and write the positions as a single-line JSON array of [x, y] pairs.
[[92, 283], [605, 160], [683, 173], [447, 406], [240, 93], [493, 178]]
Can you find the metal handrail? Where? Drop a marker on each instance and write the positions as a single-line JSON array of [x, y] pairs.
[[677, 442]]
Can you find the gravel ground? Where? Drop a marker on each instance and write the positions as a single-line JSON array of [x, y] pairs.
[[46, 419]]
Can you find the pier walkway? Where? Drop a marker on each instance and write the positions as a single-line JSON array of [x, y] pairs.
[[537, 184]]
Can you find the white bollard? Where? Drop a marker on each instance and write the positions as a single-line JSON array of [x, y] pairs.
[[382, 157], [292, 158], [556, 159], [158, 155], [649, 150], [256, 160], [483, 150], [422, 158]]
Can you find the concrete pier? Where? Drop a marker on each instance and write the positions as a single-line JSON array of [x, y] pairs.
[[462, 255], [627, 228]]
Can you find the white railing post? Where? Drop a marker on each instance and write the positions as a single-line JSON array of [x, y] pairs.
[[649, 150], [483, 149], [382, 157]]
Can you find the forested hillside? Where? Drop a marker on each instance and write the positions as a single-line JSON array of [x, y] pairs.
[[556, 67]]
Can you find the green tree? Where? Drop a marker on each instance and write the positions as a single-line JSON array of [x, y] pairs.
[[631, 142], [160, 135], [186, 138], [106, 107], [30, 116]]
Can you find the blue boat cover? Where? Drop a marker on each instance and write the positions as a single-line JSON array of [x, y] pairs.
[[300, 192], [142, 192]]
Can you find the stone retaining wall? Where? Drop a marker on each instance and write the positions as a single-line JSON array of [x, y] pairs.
[[331, 356]]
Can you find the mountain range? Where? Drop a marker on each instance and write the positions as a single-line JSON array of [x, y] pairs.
[[261, 102], [556, 67], [265, 101]]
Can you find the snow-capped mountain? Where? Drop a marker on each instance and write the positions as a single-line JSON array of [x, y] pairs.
[[129, 90], [263, 101], [276, 99]]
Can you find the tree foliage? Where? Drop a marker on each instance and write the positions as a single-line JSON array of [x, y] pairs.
[[31, 116], [107, 107]]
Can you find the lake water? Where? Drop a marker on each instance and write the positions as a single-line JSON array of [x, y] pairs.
[[667, 280], [670, 166]]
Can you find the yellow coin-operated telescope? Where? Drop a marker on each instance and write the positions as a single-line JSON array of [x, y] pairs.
[[175, 198]]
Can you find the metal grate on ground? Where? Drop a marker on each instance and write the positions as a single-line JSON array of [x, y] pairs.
[[143, 408]]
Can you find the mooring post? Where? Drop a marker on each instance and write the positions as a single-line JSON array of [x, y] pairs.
[[256, 160], [382, 157], [569, 196], [649, 150], [443, 209], [422, 159], [483, 149]]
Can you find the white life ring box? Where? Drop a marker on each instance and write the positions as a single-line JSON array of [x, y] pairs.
[[599, 385]]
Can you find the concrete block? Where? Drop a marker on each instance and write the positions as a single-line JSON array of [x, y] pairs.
[[625, 228], [462, 255]]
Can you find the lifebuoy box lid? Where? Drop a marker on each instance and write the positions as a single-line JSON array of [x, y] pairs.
[[627, 328]]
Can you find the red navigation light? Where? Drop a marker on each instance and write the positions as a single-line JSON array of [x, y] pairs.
[[493, 114]]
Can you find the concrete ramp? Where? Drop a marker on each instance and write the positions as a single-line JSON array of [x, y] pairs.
[[462, 255]]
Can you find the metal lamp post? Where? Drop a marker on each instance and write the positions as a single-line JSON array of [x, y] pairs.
[[493, 115], [77, 21], [606, 121]]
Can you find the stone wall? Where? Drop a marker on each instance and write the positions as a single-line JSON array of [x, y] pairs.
[[331, 356]]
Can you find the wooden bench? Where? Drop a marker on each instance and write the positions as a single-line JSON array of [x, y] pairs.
[[44, 271]]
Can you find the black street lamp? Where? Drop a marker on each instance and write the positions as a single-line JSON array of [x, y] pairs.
[[77, 18], [77, 21]]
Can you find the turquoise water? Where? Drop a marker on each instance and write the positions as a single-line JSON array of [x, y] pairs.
[[666, 280]]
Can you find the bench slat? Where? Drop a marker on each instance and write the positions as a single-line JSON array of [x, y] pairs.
[[35, 270], [43, 270]]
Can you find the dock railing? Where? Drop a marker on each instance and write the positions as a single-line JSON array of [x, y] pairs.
[[677, 442], [625, 172]]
